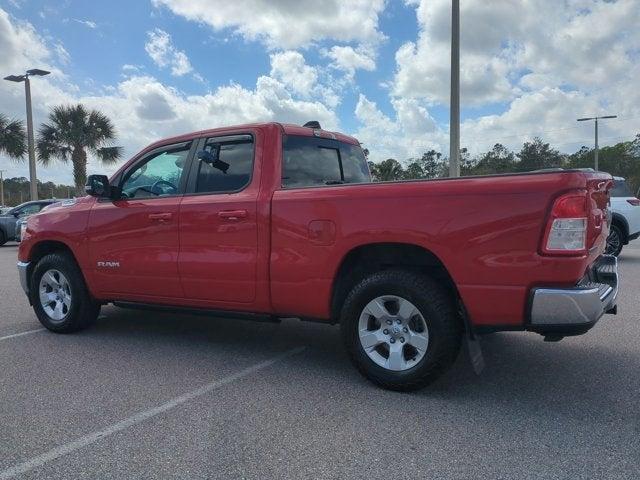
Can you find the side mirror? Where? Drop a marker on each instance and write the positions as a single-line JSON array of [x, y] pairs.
[[213, 158], [98, 186]]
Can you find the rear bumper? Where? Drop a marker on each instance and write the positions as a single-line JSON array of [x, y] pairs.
[[573, 311]]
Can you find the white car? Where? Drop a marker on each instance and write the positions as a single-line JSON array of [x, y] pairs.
[[625, 225]]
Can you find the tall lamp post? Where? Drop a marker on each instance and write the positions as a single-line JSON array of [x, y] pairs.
[[454, 121], [32, 152], [596, 133], [2, 188]]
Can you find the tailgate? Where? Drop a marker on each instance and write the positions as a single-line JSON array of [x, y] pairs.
[[598, 191]]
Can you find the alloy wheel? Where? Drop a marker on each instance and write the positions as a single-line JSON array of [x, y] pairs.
[[55, 295], [393, 332]]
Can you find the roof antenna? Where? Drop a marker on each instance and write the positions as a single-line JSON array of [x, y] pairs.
[[313, 124]]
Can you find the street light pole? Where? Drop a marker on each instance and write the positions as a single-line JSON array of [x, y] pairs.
[[597, 148], [33, 180], [454, 121], [2, 188]]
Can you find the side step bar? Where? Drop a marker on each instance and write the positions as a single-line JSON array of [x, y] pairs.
[[257, 317]]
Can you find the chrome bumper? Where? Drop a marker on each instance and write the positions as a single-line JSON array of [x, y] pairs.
[[575, 310], [22, 273]]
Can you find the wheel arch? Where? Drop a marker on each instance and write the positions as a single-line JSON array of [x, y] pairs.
[[621, 222], [365, 259], [45, 247]]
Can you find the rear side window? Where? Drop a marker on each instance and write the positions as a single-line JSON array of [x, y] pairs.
[[621, 189], [312, 161], [233, 171]]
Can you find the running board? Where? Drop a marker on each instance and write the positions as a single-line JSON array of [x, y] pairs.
[[256, 317]]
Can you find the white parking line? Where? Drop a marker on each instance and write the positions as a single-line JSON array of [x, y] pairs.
[[82, 442], [22, 333]]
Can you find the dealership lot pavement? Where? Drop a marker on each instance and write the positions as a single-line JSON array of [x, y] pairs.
[[149, 395]]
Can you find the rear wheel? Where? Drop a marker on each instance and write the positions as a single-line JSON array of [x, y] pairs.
[[3, 238], [59, 295], [400, 329], [614, 241]]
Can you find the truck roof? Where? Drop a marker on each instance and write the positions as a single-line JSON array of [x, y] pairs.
[[287, 129]]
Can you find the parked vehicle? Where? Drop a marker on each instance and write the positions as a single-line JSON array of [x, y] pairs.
[[266, 221], [9, 220], [625, 225], [21, 224], [4, 210]]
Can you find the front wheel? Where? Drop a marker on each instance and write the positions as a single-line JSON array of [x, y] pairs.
[[401, 329], [614, 241], [59, 295]]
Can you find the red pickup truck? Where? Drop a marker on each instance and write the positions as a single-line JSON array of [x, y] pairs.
[[268, 221]]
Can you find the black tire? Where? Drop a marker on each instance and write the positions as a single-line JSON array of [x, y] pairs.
[[82, 311], [437, 308], [3, 238], [615, 241]]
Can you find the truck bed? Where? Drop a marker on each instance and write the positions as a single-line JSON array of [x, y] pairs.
[[485, 230]]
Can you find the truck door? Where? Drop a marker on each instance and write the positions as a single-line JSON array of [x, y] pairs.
[[218, 223], [133, 241]]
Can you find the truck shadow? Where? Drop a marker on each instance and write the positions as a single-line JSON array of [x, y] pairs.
[[524, 376]]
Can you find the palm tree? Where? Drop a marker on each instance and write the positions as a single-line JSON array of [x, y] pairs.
[[12, 137], [71, 131]]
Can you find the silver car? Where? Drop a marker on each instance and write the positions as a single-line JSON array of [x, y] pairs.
[[9, 220]]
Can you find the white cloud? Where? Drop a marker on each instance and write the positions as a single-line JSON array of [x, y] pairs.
[[62, 54], [583, 44], [87, 23], [423, 67], [22, 47], [127, 67], [287, 23], [349, 59], [160, 48], [411, 133], [290, 68], [143, 109], [550, 62]]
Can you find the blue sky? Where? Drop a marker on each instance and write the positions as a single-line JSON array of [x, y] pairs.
[[376, 69]]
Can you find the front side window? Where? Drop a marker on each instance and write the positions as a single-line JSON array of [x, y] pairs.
[[228, 166], [158, 175], [312, 161]]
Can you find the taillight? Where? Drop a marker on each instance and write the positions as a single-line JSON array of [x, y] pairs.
[[634, 201], [566, 232]]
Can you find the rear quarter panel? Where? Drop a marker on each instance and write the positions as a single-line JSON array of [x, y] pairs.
[[485, 230]]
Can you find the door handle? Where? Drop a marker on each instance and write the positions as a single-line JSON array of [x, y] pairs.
[[232, 214], [160, 217]]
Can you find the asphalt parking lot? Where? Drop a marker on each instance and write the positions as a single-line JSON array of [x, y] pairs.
[[149, 395]]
